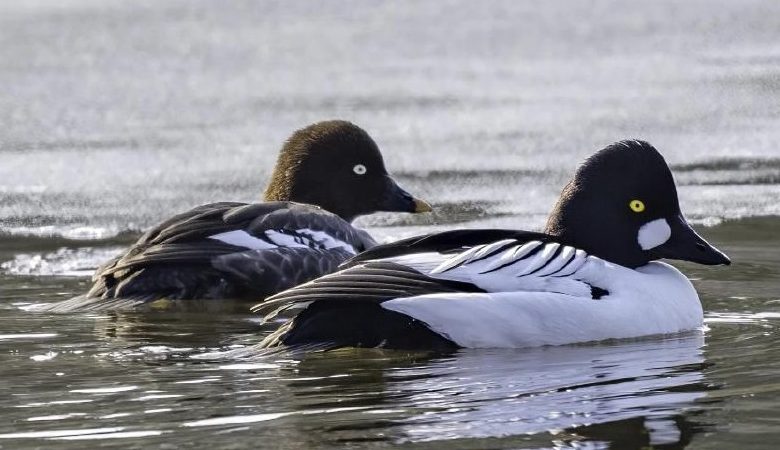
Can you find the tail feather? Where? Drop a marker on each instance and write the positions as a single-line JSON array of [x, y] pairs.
[[91, 304]]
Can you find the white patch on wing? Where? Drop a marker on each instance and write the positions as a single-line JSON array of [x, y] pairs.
[[327, 241], [511, 267], [565, 257], [652, 234], [512, 255], [476, 255], [421, 262], [580, 258], [241, 238], [303, 238], [540, 260], [455, 261]]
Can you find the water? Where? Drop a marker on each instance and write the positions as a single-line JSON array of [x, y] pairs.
[[116, 115]]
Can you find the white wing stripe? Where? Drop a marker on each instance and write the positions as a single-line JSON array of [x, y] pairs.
[[241, 238], [508, 266], [580, 258], [302, 238], [308, 238], [540, 260], [456, 260], [563, 258], [490, 249], [512, 256]]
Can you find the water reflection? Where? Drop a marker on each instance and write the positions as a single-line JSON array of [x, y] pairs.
[[141, 378], [558, 390], [501, 393], [627, 395]]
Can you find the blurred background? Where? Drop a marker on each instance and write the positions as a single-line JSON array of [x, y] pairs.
[[116, 114]]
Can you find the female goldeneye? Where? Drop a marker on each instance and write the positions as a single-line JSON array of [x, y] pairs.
[[326, 175], [591, 275]]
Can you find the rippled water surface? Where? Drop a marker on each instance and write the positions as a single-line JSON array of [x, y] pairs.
[[114, 115]]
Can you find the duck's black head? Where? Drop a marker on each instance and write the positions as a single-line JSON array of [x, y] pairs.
[[336, 165], [622, 206]]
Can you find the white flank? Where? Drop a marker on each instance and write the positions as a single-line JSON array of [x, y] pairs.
[[653, 299], [652, 234]]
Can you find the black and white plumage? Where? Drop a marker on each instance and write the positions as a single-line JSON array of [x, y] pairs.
[[590, 276], [365, 290], [247, 252]]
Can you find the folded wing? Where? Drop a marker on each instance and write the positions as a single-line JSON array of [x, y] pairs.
[[377, 294], [231, 250]]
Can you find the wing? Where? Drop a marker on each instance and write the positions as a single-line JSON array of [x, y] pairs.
[[375, 281], [493, 260], [446, 242], [197, 222], [255, 220], [344, 309], [438, 294], [206, 244], [508, 265], [281, 268], [193, 225]]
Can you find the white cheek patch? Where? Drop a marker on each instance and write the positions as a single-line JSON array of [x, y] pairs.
[[652, 234]]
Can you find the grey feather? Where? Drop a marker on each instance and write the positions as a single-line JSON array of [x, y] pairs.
[[178, 260]]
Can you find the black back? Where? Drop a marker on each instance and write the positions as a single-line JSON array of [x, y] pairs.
[[445, 242], [178, 260]]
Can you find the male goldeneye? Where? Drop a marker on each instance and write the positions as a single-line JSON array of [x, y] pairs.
[[591, 275], [326, 175]]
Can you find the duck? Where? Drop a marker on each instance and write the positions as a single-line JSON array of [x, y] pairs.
[[327, 174], [592, 274]]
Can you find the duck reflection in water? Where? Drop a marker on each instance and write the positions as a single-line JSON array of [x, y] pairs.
[[627, 394]]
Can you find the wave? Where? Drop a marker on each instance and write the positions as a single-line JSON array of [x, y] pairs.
[[719, 171], [64, 262], [21, 239]]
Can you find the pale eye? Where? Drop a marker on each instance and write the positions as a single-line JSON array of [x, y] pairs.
[[359, 169], [637, 206]]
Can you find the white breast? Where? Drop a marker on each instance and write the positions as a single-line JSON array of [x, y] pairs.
[[653, 299]]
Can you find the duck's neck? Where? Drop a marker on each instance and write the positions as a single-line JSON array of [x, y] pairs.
[[580, 223], [275, 195]]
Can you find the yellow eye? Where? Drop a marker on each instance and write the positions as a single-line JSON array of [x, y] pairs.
[[637, 206]]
